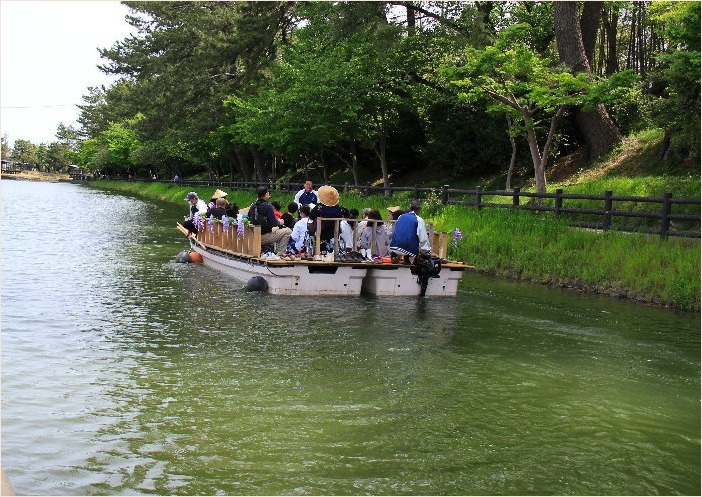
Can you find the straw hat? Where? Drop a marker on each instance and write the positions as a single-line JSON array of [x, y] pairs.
[[219, 194], [395, 208], [244, 210], [328, 195]]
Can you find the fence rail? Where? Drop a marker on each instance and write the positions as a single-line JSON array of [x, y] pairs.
[[668, 223]]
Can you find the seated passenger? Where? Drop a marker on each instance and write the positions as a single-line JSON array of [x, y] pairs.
[[276, 210], [327, 208], [410, 234], [289, 217], [197, 206], [300, 230], [217, 194], [374, 235], [219, 210], [346, 230], [261, 214]]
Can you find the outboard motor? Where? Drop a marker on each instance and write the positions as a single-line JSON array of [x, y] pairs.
[[426, 266]]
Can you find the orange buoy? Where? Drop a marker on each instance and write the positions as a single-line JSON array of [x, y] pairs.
[[195, 257]]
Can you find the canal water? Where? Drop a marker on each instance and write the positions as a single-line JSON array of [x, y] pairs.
[[125, 373]]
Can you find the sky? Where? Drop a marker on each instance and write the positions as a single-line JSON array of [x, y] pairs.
[[48, 59]]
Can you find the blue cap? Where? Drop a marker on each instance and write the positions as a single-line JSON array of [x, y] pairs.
[[191, 196]]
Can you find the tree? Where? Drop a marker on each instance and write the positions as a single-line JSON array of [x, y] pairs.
[[5, 150], [524, 85], [24, 152], [599, 132]]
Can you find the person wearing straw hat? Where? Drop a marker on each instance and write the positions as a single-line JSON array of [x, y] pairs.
[[217, 194], [328, 207], [410, 233]]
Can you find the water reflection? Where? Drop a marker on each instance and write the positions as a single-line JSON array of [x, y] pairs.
[[126, 373]]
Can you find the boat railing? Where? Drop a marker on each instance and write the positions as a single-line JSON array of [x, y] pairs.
[[247, 242]]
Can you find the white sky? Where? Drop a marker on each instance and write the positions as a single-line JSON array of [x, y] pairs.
[[48, 59]]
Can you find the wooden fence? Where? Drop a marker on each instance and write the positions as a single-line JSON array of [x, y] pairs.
[[663, 219]]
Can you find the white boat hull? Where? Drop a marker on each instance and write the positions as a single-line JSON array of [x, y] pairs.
[[399, 281], [290, 279], [331, 278]]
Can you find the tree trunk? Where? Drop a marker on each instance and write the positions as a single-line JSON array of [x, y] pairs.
[[600, 133], [243, 163], [325, 173], [411, 19], [258, 163], [381, 152], [589, 24], [610, 28], [513, 159], [539, 171], [354, 162]]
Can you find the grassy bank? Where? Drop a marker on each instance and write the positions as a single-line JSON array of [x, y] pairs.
[[531, 247]]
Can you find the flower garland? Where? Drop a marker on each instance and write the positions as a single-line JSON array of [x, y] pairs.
[[457, 235]]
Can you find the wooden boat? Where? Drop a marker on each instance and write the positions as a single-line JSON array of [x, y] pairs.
[[239, 256]]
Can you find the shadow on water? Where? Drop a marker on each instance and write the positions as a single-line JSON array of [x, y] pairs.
[[170, 378]]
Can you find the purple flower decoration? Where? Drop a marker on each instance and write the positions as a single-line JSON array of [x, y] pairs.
[[198, 221], [211, 223], [240, 226], [225, 223], [211, 205], [457, 235]]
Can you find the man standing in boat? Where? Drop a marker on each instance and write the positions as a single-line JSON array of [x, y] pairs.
[[307, 195], [272, 229], [410, 233]]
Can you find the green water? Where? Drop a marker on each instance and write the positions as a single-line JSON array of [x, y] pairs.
[[126, 373]]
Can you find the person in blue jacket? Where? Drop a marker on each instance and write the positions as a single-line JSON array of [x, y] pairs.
[[410, 233]]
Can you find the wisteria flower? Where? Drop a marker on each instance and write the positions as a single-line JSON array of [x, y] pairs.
[[240, 225], [457, 235], [225, 223], [211, 223], [198, 221]]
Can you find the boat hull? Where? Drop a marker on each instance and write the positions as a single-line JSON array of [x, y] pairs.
[[399, 281], [289, 279]]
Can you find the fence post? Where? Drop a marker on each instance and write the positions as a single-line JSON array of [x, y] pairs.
[[445, 195], [559, 202], [346, 188], [607, 215], [416, 192], [388, 193], [478, 196], [515, 197], [665, 214]]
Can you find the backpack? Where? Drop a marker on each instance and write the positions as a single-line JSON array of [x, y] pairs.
[[258, 215]]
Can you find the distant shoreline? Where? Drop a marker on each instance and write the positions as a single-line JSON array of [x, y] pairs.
[[37, 176]]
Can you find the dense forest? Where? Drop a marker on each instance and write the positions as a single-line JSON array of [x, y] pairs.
[[370, 90]]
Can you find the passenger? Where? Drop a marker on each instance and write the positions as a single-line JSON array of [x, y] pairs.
[[217, 194], [220, 209], [289, 217], [261, 213], [393, 213], [327, 207], [410, 234], [276, 210], [374, 235], [196, 206], [307, 195], [300, 230], [362, 224], [346, 229], [232, 210]]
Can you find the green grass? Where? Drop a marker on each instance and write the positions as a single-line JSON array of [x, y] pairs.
[[526, 245]]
